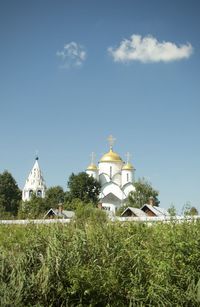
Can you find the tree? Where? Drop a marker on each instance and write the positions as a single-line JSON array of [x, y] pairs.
[[10, 194], [186, 208], [84, 187], [54, 196], [143, 191], [189, 210], [172, 210], [87, 213], [194, 211], [34, 208]]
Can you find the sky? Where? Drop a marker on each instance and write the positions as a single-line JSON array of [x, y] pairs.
[[73, 72]]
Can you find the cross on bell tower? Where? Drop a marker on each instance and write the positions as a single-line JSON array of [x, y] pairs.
[[36, 155]]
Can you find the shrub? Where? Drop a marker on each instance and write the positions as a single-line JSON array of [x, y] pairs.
[[93, 262]]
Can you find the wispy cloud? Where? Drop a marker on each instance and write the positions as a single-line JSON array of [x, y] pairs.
[[149, 49], [72, 54]]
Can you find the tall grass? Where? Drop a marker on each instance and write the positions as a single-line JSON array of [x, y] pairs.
[[92, 262]]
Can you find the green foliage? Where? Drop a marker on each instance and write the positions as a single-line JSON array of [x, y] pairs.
[[83, 187], [172, 210], [186, 208], [54, 196], [100, 264], [10, 194], [141, 196], [121, 210], [189, 210], [194, 211], [36, 207], [87, 213], [73, 204]]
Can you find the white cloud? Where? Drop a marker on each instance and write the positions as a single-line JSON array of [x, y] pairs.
[[72, 54], [149, 49]]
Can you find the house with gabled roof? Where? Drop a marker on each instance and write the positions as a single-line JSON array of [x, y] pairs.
[[56, 213], [153, 211], [133, 212]]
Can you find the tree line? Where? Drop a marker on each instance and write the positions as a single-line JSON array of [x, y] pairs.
[[81, 189]]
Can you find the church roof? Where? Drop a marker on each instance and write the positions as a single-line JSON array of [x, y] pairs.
[[111, 156], [128, 166], [35, 178], [92, 167]]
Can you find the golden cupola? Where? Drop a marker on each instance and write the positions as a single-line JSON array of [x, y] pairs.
[[128, 167], [111, 156], [92, 167]]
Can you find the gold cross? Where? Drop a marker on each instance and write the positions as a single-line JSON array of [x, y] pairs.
[[111, 141], [128, 155], [92, 157]]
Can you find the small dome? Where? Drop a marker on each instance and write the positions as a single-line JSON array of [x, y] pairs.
[[128, 167], [92, 167], [111, 156]]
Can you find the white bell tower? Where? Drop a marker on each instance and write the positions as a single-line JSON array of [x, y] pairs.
[[34, 183]]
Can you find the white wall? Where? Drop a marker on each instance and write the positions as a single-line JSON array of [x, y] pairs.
[[127, 176], [92, 174], [110, 168]]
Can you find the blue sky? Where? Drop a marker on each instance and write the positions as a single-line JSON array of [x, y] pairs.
[[63, 92]]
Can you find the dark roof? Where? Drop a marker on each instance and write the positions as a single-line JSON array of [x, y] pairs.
[[137, 212], [158, 211], [64, 213]]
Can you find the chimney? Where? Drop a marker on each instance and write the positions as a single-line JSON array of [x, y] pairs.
[[60, 208], [151, 201]]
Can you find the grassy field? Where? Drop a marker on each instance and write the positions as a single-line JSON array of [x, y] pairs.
[[93, 262]]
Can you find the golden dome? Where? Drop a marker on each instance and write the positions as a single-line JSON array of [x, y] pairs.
[[92, 167], [128, 166], [111, 156]]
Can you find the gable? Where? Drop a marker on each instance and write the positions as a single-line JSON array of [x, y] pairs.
[[149, 211]]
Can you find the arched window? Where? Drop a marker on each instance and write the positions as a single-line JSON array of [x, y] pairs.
[[39, 193], [30, 193]]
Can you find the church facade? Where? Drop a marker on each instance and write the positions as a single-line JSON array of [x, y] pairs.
[[116, 178]]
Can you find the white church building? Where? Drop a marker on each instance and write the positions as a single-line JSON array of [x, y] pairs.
[[34, 183], [115, 176]]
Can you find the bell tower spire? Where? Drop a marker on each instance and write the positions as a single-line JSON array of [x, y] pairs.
[[34, 183]]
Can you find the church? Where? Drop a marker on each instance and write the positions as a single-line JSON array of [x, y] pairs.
[[115, 176]]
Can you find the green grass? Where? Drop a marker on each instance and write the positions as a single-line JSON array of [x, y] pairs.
[[92, 262]]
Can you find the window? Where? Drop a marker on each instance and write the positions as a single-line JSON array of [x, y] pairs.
[[39, 193], [30, 193], [106, 208], [110, 172]]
